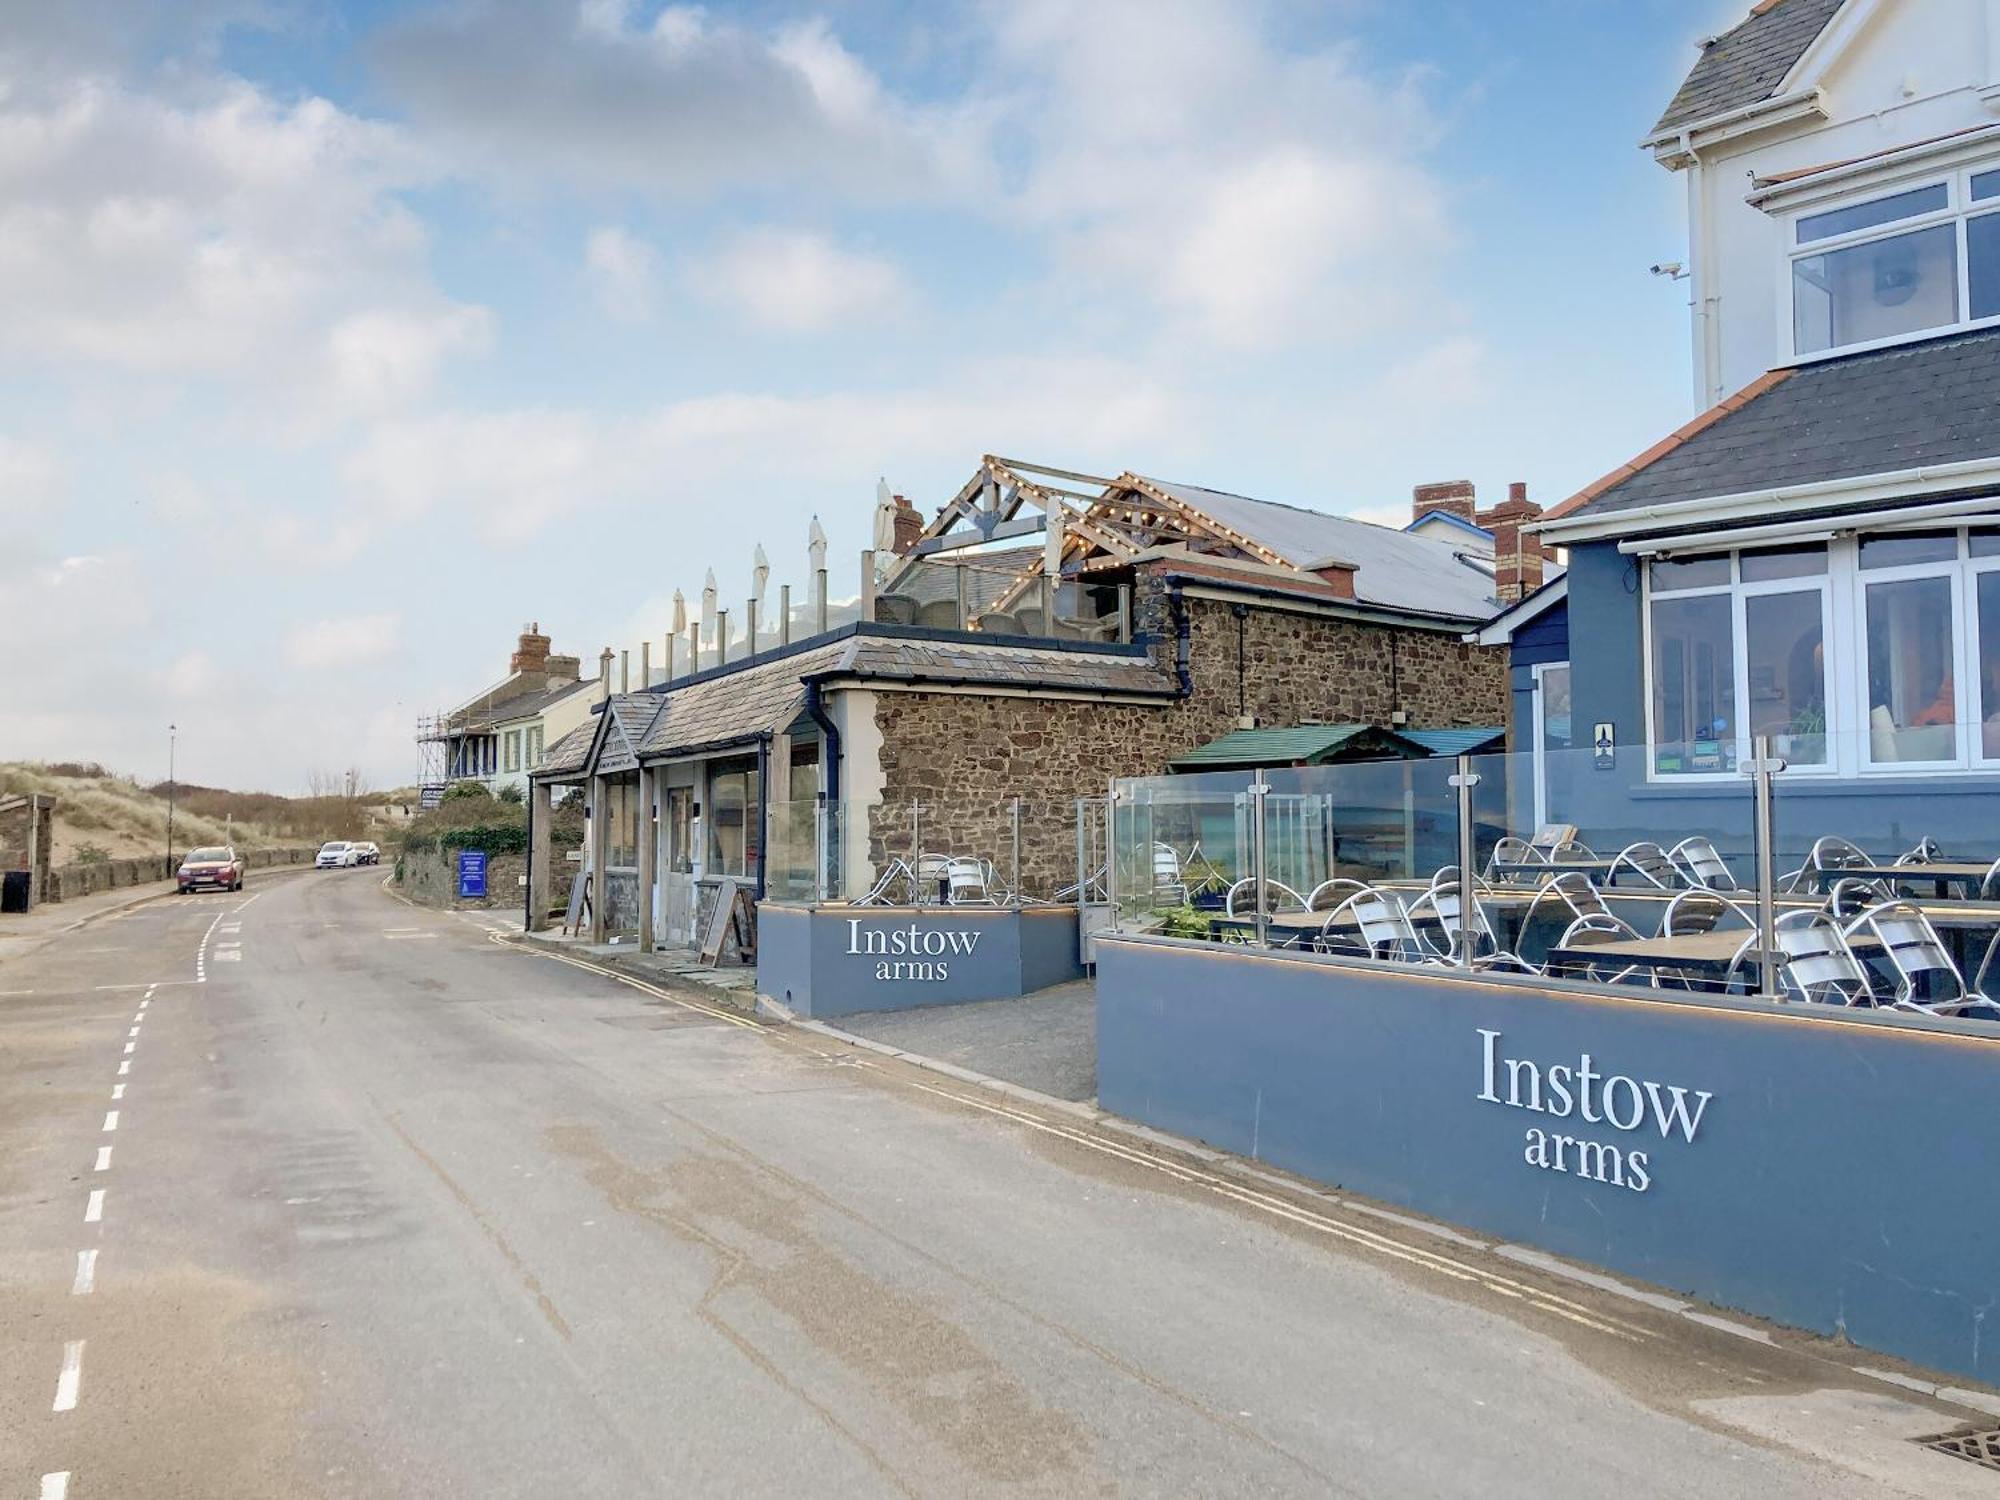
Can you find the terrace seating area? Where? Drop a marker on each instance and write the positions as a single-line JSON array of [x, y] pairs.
[[1356, 861]]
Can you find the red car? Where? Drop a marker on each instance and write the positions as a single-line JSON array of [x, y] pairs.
[[219, 868]]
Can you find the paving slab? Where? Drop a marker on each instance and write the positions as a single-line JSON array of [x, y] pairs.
[[1046, 1041]]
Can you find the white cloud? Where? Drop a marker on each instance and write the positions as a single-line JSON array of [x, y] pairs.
[[350, 641], [587, 95], [32, 480], [623, 271], [1277, 197], [795, 282], [216, 232]]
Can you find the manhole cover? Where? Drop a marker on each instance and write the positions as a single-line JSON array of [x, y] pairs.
[[1980, 1446]]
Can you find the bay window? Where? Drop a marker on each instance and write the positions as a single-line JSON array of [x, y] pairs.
[[1876, 654], [1896, 264]]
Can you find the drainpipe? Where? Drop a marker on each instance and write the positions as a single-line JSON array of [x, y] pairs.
[[816, 711], [1242, 614], [1183, 641], [763, 808]]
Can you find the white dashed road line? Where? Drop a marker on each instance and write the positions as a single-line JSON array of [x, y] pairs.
[[56, 1486], [125, 1067], [110, 1120], [71, 1379], [117, 1091], [104, 1158], [93, 1211], [86, 1274]]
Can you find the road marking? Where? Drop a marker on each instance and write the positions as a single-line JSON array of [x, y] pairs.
[[130, 1048], [406, 937], [94, 1209], [104, 1158], [141, 1016], [56, 1486], [220, 946], [110, 1120], [117, 1091], [229, 957], [153, 986], [71, 1377], [9, 994], [133, 1032], [125, 1067], [86, 1274]]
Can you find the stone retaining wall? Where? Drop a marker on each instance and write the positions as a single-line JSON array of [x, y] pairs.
[[67, 882]]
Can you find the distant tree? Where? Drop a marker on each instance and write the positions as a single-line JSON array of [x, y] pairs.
[[466, 789], [511, 793]]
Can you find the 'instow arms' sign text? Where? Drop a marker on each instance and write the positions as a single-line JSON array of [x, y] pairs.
[[910, 952]]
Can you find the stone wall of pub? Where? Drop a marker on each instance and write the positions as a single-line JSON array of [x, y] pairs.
[[963, 756]]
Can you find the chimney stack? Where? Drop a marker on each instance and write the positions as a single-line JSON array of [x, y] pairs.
[[909, 526], [531, 652], [604, 673], [562, 669], [1454, 496], [1517, 553]]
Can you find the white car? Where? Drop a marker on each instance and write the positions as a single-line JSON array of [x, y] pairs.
[[338, 855]]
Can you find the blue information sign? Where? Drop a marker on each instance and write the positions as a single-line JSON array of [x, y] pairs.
[[471, 873]]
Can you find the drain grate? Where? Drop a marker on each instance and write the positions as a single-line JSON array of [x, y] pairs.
[[1980, 1446]]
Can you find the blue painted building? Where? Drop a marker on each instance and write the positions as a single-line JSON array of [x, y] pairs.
[[1814, 558]]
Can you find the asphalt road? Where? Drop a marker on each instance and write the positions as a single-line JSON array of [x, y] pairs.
[[392, 1208]]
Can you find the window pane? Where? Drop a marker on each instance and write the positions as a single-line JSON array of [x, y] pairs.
[[1855, 216], [1691, 572], [1556, 733], [1787, 674], [1985, 543], [1982, 260], [1694, 685], [1875, 291], [1898, 549], [1807, 561], [732, 822], [1985, 185], [1989, 665], [1911, 698]]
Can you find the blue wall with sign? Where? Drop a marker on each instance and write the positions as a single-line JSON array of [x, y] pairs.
[[836, 961], [1822, 1169]]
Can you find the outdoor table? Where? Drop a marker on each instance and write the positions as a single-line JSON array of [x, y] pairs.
[[1942, 873], [1284, 929], [1507, 868], [1707, 955]]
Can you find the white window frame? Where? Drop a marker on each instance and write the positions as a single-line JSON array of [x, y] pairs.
[[1844, 632], [1540, 746], [1959, 209]]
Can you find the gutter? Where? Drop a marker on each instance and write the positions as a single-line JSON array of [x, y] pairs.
[[1805, 104], [1899, 484]]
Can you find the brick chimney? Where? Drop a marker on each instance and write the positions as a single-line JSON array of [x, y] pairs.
[[909, 525], [1452, 495], [1336, 571], [561, 669], [1517, 554], [531, 653]]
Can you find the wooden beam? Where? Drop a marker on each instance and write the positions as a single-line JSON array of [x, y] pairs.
[[1015, 463]]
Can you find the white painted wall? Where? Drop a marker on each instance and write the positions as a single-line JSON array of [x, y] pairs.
[[1894, 73]]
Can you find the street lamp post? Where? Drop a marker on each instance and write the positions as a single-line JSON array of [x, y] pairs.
[[172, 732]]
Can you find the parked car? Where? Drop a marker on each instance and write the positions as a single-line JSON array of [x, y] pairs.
[[337, 854], [217, 868], [367, 854]]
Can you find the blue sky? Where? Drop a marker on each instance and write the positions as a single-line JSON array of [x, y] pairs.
[[340, 339]]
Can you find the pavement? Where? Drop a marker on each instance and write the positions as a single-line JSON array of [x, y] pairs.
[[1046, 1041], [307, 1192]]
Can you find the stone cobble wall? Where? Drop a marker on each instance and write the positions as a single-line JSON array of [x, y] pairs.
[[963, 757], [67, 882], [430, 878]]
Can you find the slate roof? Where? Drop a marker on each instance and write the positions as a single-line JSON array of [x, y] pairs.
[[733, 707], [1746, 64], [1393, 569], [958, 662], [566, 757], [1935, 402], [631, 715], [527, 705]]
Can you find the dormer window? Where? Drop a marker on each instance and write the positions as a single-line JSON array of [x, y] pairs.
[[1891, 266]]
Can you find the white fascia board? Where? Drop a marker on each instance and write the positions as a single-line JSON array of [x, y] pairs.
[[1862, 489], [1681, 145], [1499, 631], [1833, 180]]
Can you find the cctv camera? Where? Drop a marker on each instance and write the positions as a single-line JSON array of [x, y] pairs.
[[1673, 270]]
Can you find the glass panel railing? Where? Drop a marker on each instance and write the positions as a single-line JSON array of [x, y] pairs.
[[1002, 594]]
